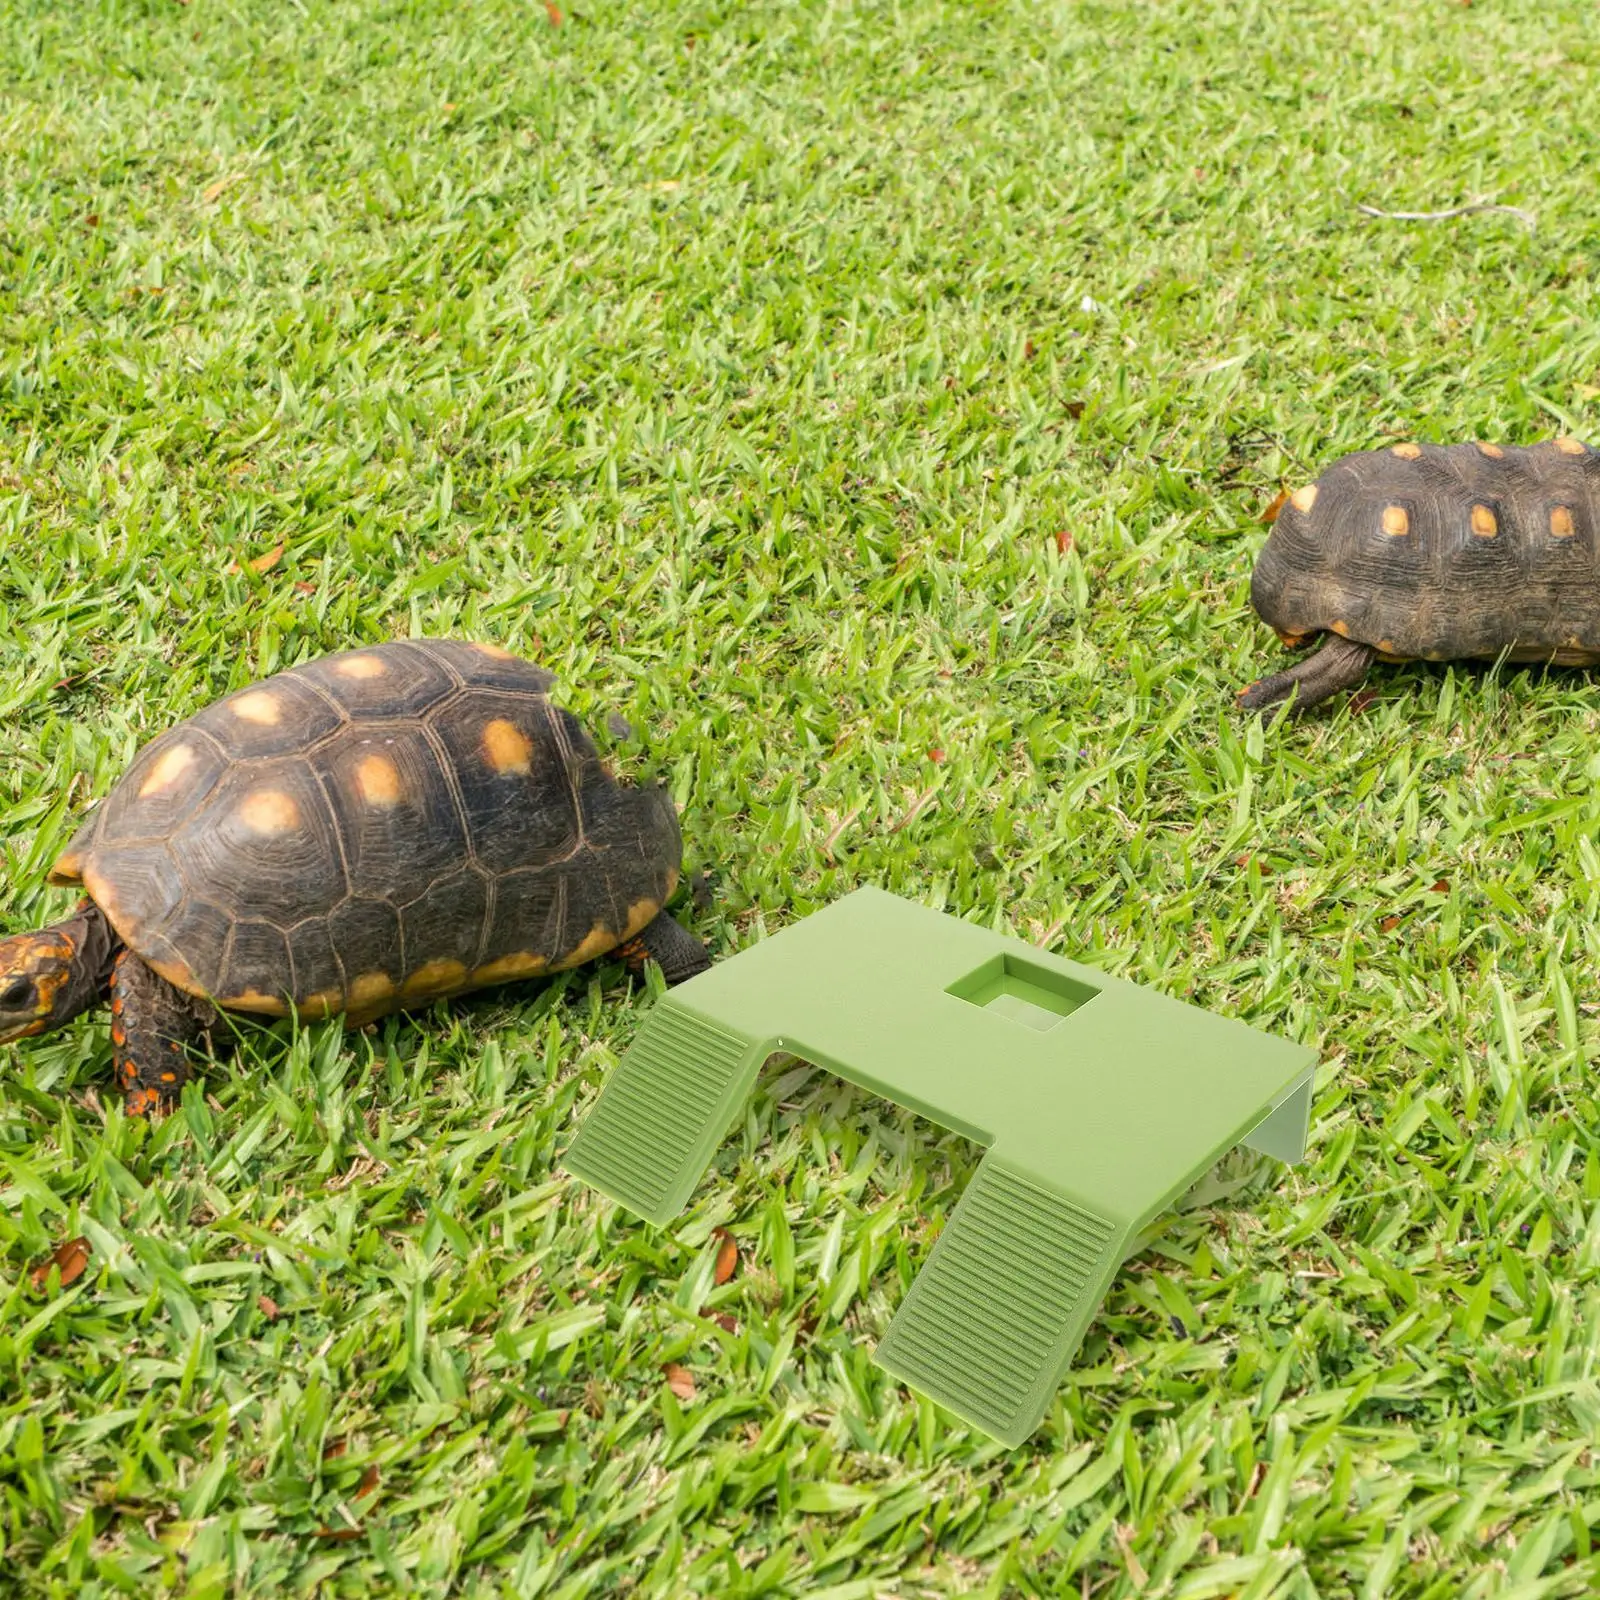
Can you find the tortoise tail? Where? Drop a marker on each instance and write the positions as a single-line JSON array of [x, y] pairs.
[[1340, 664]]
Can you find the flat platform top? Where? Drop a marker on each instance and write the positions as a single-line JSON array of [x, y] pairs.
[[1108, 1092]]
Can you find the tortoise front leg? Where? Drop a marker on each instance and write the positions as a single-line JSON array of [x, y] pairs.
[[1340, 664], [153, 1025]]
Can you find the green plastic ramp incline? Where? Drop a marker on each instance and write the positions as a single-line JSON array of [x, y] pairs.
[[1100, 1103]]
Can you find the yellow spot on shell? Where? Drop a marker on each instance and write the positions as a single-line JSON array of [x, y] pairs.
[[68, 868], [1395, 521], [1341, 628], [1408, 452], [378, 779], [495, 652], [177, 972], [1493, 451], [103, 895], [360, 666], [599, 939], [507, 748], [324, 1003], [257, 706], [436, 978], [1386, 646], [596, 942], [266, 1005], [371, 988], [269, 811], [1304, 499], [520, 964], [1561, 522], [1569, 446], [1484, 522], [171, 766]]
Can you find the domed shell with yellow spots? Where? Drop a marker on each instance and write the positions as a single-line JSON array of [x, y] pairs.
[[372, 830], [1443, 552]]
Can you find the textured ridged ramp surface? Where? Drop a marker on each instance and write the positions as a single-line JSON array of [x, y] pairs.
[[651, 1133], [1002, 1302], [1101, 1102]]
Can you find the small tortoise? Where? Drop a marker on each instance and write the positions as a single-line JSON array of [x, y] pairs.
[[370, 831], [1437, 552]]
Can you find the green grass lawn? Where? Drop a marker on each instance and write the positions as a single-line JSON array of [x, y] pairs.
[[875, 405]]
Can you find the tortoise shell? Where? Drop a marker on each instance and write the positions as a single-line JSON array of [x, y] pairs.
[[1443, 551], [371, 830]]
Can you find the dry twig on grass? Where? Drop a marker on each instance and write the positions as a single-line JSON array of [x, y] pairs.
[[1527, 218]]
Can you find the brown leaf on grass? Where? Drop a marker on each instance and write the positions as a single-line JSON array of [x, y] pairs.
[[1063, 542], [1360, 702], [267, 1306], [302, 587], [936, 756], [369, 1482], [342, 1535], [71, 1257], [837, 829], [1389, 924], [1279, 501], [1442, 886], [553, 12], [679, 1381], [334, 1448], [915, 810], [260, 565], [213, 191], [727, 1323], [727, 1257], [1074, 409], [1124, 1535], [1029, 349]]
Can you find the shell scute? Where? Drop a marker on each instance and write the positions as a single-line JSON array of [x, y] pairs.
[[385, 681]]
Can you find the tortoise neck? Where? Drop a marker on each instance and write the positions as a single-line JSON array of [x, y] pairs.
[[95, 947]]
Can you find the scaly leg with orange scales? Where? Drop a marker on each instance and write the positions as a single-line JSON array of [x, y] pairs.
[[49, 976]]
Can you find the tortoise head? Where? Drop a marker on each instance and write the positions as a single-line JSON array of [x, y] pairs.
[[36, 974]]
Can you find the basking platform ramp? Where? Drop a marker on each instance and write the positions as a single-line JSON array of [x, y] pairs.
[[1099, 1101]]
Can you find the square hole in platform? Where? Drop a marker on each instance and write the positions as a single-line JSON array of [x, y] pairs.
[[1015, 988]]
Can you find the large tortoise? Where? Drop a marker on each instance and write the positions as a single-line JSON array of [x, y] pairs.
[[1437, 552], [372, 830]]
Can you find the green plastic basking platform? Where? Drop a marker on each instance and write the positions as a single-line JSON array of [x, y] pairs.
[[1100, 1103]]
